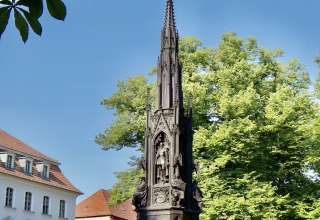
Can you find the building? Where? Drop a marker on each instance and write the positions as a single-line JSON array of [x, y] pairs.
[[96, 207], [167, 190], [32, 186]]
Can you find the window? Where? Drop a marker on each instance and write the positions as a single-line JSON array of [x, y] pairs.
[[28, 168], [28, 201], [9, 197], [45, 205], [10, 161], [45, 171], [62, 209]]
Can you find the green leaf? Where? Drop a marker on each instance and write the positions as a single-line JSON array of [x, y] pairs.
[[35, 7], [57, 9], [34, 23], [3, 10], [21, 25], [6, 2], [4, 18]]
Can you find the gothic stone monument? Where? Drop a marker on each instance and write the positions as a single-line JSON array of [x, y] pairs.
[[166, 191]]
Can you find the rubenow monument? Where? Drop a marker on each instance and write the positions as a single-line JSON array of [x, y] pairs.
[[167, 191]]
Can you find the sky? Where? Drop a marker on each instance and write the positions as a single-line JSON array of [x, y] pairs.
[[51, 87]]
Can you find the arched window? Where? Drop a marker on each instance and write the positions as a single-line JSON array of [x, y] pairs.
[[162, 158]]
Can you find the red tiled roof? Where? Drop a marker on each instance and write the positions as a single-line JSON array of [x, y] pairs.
[[56, 177], [97, 206], [10, 142], [125, 210]]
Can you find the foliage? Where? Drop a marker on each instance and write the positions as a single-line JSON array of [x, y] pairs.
[[127, 129], [123, 189], [257, 129], [27, 13], [317, 83]]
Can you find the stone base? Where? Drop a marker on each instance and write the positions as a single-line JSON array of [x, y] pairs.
[[171, 214]]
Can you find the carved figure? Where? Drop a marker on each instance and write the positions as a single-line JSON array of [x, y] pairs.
[[140, 196], [141, 163], [177, 164], [178, 188], [197, 196], [177, 197], [162, 163]]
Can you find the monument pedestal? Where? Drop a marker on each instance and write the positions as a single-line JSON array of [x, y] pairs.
[[171, 214]]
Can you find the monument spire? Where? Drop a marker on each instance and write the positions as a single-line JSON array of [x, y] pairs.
[[166, 190], [169, 25], [169, 69]]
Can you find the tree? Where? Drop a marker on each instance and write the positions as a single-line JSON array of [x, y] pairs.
[[124, 188], [28, 12], [256, 123]]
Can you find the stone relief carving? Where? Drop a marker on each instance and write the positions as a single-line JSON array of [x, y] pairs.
[[161, 195], [140, 196], [175, 128], [161, 126], [155, 118]]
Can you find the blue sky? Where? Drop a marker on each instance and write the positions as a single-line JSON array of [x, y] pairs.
[[51, 87]]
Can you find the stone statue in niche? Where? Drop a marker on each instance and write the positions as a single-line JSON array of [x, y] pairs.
[[140, 196], [162, 162]]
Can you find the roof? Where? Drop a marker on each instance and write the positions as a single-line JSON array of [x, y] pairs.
[[12, 143], [125, 210], [97, 206], [56, 177]]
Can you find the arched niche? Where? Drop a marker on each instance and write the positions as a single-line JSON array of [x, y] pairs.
[[162, 158]]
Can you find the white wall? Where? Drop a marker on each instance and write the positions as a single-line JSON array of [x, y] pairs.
[[38, 191]]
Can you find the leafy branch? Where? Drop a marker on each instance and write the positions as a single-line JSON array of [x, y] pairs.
[[27, 13]]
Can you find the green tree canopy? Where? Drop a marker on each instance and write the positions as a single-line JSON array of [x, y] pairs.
[[256, 123]]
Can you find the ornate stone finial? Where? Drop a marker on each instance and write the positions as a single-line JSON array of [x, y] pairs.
[[176, 94], [170, 20], [148, 99]]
